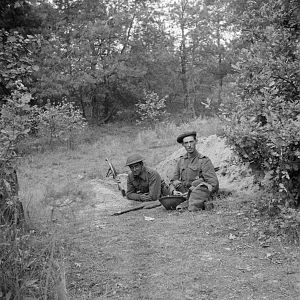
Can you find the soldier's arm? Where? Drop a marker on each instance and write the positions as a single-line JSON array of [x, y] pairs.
[[209, 174], [154, 185], [131, 192], [176, 174], [175, 179]]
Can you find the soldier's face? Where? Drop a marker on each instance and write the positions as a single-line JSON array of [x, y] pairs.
[[189, 143], [136, 168]]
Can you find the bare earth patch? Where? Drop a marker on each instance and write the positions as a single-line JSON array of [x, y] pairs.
[[160, 254]]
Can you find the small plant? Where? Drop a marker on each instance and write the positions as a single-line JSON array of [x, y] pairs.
[[15, 121], [60, 123], [15, 124], [151, 108]]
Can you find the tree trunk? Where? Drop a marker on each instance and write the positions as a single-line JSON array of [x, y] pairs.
[[220, 85], [183, 78], [187, 101]]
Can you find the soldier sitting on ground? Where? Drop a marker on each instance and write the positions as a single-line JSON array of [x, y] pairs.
[[143, 183], [194, 175]]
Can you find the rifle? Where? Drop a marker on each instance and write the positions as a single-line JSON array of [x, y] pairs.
[[112, 171], [136, 208]]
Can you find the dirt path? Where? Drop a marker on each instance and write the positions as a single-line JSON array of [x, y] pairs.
[[206, 255]]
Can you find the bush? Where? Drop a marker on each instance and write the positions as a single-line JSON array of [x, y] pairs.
[[60, 122], [263, 121], [151, 108], [15, 121]]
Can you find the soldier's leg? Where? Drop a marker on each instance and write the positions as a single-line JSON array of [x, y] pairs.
[[198, 197], [185, 204]]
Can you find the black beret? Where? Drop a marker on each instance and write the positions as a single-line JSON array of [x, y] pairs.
[[185, 134]]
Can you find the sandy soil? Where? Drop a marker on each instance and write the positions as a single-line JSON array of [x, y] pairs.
[[160, 254]]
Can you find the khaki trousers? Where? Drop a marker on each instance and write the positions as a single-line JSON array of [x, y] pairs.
[[198, 197]]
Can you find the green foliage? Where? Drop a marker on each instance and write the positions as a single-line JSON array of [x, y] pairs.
[[151, 108], [95, 54], [15, 121], [16, 60], [16, 71], [264, 120], [60, 123]]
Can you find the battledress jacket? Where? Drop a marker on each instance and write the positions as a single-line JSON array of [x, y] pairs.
[[196, 169], [149, 181]]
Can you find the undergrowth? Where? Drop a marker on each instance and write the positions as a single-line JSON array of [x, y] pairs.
[[54, 183], [31, 264], [274, 220]]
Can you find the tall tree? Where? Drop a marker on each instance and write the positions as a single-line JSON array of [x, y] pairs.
[[201, 31], [97, 50]]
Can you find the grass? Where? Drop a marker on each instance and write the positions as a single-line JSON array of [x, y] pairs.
[[43, 174], [54, 180]]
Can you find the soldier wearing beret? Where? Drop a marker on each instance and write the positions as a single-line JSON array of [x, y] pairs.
[[194, 175], [143, 183]]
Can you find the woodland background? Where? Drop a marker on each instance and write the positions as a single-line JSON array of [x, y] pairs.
[[74, 73], [144, 61], [103, 54]]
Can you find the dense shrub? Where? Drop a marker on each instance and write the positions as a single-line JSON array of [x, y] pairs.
[[263, 121]]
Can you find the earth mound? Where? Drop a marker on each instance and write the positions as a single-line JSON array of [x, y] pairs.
[[233, 175]]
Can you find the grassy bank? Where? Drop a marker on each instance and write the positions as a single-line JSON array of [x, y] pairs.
[[48, 175], [52, 179], [56, 183]]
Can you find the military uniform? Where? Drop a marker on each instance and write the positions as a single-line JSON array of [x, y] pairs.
[[149, 181], [198, 171]]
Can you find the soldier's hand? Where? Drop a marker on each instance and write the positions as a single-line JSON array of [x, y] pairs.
[[145, 197], [177, 193], [209, 187], [176, 183]]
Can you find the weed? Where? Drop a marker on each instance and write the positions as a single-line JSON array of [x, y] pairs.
[[30, 264], [274, 220]]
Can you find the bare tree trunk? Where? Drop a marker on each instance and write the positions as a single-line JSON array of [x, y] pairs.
[[183, 62], [220, 85], [188, 102], [192, 99]]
